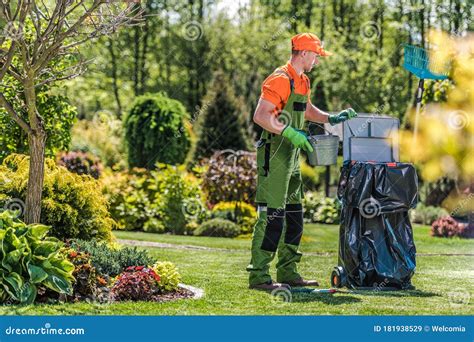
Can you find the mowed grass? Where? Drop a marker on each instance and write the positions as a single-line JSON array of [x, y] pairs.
[[444, 282], [317, 238]]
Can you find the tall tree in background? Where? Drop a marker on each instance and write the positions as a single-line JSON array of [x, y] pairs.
[[220, 124], [189, 40]]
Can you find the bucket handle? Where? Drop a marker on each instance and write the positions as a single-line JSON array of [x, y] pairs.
[[318, 124]]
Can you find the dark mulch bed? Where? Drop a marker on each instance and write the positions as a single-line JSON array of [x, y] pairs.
[[169, 296], [47, 296]]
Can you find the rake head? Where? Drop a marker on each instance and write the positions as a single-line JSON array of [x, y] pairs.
[[417, 61]]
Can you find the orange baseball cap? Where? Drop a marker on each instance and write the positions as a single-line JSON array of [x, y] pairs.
[[310, 42]]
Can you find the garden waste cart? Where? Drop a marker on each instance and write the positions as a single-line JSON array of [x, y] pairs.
[[376, 247]]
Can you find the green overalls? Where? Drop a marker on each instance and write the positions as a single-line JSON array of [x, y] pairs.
[[279, 195]]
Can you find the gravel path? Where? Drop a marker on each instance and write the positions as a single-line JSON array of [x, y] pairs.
[[230, 250]]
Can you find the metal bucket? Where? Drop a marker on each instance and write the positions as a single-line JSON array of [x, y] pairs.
[[324, 149]]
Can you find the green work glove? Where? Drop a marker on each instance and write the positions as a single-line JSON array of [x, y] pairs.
[[297, 138], [342, 116]]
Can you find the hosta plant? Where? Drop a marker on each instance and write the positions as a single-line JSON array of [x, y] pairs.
[[30, 259]]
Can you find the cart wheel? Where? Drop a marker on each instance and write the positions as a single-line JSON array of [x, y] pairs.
[[335, 280], [338, 277]]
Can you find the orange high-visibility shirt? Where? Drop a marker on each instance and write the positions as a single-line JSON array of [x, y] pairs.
[[276, 87]]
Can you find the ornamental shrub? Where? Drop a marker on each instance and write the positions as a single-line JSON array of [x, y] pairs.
[[103, 137], [328, 211], [169, 276], [136, 283], [178, 196], [240, 213], [219, 228], [112, 261], [311, 202], [320, 209], [427, 214], [86, 278], [156, 131], [162, 200], [221, 124], [72, 204], [449, 227], [81, 163], [131, 199], [230, 176]]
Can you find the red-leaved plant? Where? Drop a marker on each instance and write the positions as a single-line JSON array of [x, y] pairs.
[[136, 283], [449, 227]]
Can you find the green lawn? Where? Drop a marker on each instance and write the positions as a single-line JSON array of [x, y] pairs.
[[444, 282]]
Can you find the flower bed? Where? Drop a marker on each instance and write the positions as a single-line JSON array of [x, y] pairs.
[[110, 274], [37, 268]]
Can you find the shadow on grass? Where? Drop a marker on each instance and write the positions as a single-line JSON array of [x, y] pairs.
[[326, 298], [409, 293], [346, 296]]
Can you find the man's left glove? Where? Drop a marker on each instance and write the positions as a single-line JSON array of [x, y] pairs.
[[342, 116]]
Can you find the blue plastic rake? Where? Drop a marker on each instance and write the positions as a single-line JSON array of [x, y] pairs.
[[417, 61]]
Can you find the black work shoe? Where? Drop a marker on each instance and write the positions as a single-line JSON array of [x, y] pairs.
[[270, 286], [302, 282]]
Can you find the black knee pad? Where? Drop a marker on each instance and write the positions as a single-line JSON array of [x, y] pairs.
[[273, 230], [294, 223]]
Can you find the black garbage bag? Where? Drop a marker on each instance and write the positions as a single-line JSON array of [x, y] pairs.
[[376, 246]]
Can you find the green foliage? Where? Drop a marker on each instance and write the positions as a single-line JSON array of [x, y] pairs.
[[240, 213], [221, 125], [162, 200], [30, 259], [112, 261], [311, 202], [53, 108], [178, 196], [434, 193], [318, 208], [169, 276], [218, 227], [58, 115], [247, 45], [310, 176], [131, 198], [314, 177], [103, 138], [426, 214], [436, 91], [231, 177], [155, 131], [81, 163], [328, 211], [73, 205]]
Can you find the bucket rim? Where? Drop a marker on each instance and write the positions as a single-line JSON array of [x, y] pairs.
[[323, 136]]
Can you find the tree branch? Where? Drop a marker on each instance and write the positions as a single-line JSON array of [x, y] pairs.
[[8, 62], [10, 110]]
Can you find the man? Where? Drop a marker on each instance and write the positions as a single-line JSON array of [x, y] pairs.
[[281, 111]]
